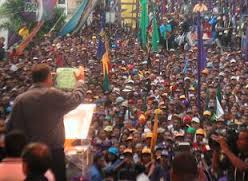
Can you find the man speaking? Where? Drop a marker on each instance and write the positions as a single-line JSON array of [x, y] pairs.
[[39, 114]]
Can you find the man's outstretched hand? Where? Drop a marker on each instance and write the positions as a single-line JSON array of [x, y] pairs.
[[79, 74]]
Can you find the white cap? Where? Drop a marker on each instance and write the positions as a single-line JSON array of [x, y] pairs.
[[233, 60], [221, 73], [186, 78], [233, 78], [196, 120]]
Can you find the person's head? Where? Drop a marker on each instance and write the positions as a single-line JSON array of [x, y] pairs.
[[14, 142], [41, 74], [242, 142], [184, 167], [146, 155], [36, 159], [113, 153], [99, 160]]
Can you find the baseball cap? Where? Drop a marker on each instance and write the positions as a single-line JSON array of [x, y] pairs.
[[196, 120]]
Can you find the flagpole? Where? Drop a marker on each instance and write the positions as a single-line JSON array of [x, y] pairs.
[[200, 52], [246, 46]]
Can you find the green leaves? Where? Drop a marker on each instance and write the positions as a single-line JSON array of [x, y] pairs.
[[11, 13], [13, 17]]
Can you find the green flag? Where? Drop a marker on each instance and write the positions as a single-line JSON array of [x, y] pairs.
[[144, 20], [218, 93], [106, 84], [155, 33]]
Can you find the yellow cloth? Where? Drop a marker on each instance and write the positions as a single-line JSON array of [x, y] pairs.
[[24, 32]]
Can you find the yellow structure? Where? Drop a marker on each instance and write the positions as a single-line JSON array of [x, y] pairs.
[[129, 12]]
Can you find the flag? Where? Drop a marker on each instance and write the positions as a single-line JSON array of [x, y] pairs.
[[154, 131], [186, 65], [144, 20], [219, 109], [201, 52], [105, 65], [218, 93], [100, 49], [155, 33]]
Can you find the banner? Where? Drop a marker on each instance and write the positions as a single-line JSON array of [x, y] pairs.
[[77, 122], [72, 23], [129, 12]]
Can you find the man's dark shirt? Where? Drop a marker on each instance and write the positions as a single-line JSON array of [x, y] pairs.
[[39, 113]]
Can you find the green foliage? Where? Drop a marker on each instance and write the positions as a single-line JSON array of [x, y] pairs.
[[12, 13]]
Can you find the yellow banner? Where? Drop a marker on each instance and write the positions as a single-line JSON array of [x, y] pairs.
[[128, 12]]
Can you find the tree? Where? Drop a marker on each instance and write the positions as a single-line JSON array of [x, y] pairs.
[[13, 17]]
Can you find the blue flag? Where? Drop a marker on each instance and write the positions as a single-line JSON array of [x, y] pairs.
[[100, 49]]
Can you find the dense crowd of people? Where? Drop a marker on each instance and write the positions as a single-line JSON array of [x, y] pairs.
[[194, 142]]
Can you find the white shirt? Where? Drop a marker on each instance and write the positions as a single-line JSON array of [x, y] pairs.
[[142, 177]]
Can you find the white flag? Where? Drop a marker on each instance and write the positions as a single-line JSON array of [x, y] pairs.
[[219, 110]]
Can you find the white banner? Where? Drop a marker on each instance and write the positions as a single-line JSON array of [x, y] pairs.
[[77, 122]]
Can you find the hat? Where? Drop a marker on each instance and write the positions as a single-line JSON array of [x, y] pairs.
[[182, 97], [142, 119], [108, 128], [127, 150], [221, 74], [148, 135], [220, 120], [187, 119], [186, 78], [200, 132], [192, 89], [207, 113], [119, 100], [124, 104], [127, 89], [113, 150], [205, 71], [190, 130], [146, 150], [89, 92], [130, 81], [129, 138], [161, 130], [196, 120], [233, 60], [233, 78], [165, 94], [237, 122]]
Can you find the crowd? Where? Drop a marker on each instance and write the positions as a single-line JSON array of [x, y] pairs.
[[146, 87]]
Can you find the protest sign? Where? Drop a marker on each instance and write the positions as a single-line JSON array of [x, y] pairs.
[[65, 78]]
